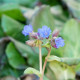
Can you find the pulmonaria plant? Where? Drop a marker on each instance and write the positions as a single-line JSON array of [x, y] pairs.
[[43, 33]]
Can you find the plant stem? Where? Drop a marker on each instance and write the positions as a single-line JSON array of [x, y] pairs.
[[46, 60], [40, 60]]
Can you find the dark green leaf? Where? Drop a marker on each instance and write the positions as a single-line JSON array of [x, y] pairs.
[[14, 57], [12, 10], [13, 28]]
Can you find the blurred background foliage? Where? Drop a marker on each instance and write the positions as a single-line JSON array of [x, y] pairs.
[[16, 56]]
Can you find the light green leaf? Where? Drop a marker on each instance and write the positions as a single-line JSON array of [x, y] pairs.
[[29, 3], [12, 10], [62, 71], [70, 33], [77, 68], [74, 7], [52, 58], [43, 17], [14, 57], [32, 71], [13, 28], [67, 60]]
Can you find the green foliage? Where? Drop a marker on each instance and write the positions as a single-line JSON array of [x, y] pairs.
[[15, 55], [74, 6], [60, 69], [43, 17], [12, 30], [28, 3], [72, 46], [8, 9], [32, 71], [15, 59]]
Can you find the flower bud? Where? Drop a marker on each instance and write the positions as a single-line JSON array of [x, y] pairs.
[[53, 42], [31, 43], [34, 35], [55, 33]]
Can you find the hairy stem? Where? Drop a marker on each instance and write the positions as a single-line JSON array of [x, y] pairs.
[[40, 60], [46, 60]]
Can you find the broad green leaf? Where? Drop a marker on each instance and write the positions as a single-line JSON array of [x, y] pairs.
[[51, 3], [24, 49], [77, 68], [32, 71], [59, 16], [43, 17], [67, 60], [12, 10], [28, 3], [1, 31], [52, 58], [62, 71], [50, 74], [13, 28], [74, 7], [28, 52], [14, 57], [70, 33]]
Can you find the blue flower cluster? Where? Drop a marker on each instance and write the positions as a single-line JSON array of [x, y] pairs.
[[59, 42], [43, 32]]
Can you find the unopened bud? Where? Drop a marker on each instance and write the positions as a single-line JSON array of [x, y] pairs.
[[34, 35], [31, 43], [53, 42], [55, 33]]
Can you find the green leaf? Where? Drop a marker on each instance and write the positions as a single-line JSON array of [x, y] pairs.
[[67, 60], [12, 10], [74, 7], [1, 31], [70, 33], [32, 71], [28, 52], [13, 28], [43, 17], [52, 58], [29, 3], [77, 68], [62, 71], [14, 57]]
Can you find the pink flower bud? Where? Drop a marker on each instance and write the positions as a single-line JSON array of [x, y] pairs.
[[34, 35], [55, 33], [53, 42], [31, 43]]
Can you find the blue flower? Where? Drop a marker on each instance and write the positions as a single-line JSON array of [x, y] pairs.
[[59, 42], [44, 32], [27, 29]]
